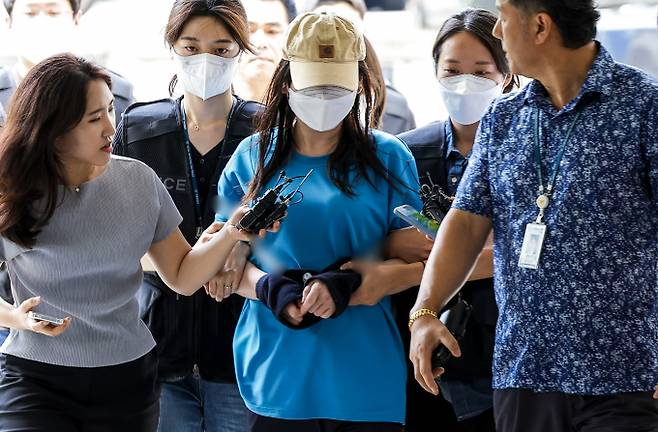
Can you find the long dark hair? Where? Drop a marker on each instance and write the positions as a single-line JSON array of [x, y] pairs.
[[229, 13], [48, 103], [480, 23], [378, 85], [356, 149]]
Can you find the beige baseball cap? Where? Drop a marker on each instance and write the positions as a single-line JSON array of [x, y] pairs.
[[324, 49]]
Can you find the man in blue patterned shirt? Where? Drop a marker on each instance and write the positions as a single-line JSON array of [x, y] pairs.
[[566, 172]]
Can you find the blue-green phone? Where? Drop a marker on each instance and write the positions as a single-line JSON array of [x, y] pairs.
[[427, 226]]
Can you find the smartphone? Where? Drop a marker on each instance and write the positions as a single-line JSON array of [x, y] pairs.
[[424, 224], [41, 317]]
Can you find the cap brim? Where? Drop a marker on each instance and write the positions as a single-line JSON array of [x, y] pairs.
[[312, 74]]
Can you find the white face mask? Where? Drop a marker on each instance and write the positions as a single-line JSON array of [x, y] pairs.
[[205, 75], [321, 108], [42, 36], [467, 97]]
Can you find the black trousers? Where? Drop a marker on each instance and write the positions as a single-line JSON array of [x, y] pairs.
[[521, 410], [259, 423], [480, 423], [37, 396]]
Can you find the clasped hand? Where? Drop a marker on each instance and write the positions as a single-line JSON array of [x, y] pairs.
[[315, 300]]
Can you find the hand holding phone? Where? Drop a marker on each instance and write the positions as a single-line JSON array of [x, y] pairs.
[[424, 224], [45, 318], [24, 318]]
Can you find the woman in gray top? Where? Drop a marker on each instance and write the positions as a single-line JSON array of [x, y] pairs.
[[74, 223]]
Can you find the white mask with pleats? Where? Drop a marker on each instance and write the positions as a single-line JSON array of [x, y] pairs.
[[467, 97], [321, 108], [205, 75]]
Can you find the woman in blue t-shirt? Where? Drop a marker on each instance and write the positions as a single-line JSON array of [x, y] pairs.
[[347, 371]]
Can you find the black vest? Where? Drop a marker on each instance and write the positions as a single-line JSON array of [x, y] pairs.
[[190, 331], [428, 147]]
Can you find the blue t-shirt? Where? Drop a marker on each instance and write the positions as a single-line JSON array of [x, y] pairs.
[[348, 368], [586, 321]]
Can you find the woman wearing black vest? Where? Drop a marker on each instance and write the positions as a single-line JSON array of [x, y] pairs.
[[187, 141], [472, 70]]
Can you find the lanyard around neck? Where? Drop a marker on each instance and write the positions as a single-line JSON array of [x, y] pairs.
[[550, 187], [198, 212], [545, 192]]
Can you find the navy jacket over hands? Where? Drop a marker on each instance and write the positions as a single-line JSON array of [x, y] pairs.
[[277, 291]]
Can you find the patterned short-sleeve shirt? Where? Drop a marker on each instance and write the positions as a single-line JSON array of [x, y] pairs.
[[586, 321]]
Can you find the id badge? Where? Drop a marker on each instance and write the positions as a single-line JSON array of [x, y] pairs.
[[533, 241]]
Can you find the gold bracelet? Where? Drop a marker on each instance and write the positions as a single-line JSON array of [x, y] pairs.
[[420, 313]]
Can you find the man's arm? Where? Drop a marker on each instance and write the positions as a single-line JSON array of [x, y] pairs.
[[456, 249], [483, 268], [458, 244]]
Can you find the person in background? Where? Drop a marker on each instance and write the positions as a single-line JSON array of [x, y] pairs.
[[353, 10], [397, 116], [187, 142], [566, 173], [76, 221], [38, 29], [41, 28], [268, 21]]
